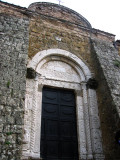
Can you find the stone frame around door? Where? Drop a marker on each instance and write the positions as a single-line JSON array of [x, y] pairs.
[[88, 125]]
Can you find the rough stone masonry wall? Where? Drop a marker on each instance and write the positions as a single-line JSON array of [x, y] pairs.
[[47, 33], [13, 58], [106, 61]]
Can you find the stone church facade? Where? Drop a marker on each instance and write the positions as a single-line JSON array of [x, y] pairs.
[[51, 46]]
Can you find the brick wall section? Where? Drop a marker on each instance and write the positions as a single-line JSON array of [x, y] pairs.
[[13, 59], [107, 73]]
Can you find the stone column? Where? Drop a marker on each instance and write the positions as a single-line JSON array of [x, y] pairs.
[[87, 121], [95, 126], [27, 118], [36, 122], [80, 126]]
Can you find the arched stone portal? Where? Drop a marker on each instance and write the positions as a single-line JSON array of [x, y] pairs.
[[60, 68]]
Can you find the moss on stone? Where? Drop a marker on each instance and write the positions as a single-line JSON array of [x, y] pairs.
[[116, 63]]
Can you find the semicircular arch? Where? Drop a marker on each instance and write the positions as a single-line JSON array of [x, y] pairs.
[[41, 57]]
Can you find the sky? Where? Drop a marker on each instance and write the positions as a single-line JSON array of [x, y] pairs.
[[102, 14]]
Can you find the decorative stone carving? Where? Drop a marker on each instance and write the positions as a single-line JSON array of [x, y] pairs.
[[26, 136], [92, 83], [31, 74], [59, 68], [86, 122]]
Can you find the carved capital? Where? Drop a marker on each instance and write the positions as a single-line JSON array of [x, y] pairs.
[[92, 83], [31, 73]]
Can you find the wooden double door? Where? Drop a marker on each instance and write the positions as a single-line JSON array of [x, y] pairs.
[[58, 131]]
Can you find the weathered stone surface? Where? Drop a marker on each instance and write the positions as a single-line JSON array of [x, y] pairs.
[[117, 45], [13, 59], [64, 42], [59, 12], [109, 59], [108, 76]]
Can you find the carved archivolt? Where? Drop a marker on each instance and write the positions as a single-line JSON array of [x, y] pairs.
[[60, 68]]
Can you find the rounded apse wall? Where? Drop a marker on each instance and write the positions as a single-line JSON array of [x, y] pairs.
[[60, 12]]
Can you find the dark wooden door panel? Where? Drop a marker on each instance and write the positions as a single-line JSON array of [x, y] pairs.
[[58, 131]]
